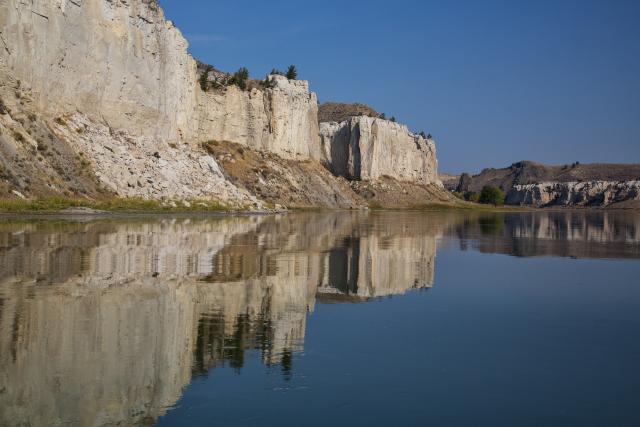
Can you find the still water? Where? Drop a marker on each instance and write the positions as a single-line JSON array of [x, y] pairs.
[[345, 318]]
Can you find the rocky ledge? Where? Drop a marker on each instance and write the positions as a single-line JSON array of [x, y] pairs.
[[369, 148]]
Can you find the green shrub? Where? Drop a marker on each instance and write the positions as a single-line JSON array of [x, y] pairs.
[[471, 196], [240, 78], [491, 196]]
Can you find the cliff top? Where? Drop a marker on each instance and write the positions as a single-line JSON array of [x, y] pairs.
[[338, 112]]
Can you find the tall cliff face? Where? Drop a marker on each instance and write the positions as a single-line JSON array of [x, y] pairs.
[[125, 65], [120, 62], [281, 119], [366, 148], [112, 81], [101, 97]]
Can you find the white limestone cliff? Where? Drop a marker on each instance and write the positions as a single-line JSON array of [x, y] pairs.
[[116, 61], [589, 193], [121, 62], [281, 119], [367, 148], [110, 82], [120, 76]]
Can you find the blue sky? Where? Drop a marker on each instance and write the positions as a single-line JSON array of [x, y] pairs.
[[494, 81]]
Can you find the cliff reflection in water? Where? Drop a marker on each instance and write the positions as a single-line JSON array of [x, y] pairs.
[[106, 322], [578, 234]]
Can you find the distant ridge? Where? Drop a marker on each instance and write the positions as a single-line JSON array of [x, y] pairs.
[[529, 172]]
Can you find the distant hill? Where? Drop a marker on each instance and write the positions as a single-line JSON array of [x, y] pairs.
[[528, 172], [337, 112]]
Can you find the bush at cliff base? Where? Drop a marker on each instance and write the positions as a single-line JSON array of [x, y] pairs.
[[491, 196]]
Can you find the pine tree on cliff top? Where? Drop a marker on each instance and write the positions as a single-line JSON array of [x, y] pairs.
[[292, 72]]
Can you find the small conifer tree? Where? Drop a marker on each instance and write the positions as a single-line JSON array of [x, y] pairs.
[[292, 72]]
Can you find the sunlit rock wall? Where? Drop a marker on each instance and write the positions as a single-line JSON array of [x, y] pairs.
[[281, 118], [367, 148], [114, 81]]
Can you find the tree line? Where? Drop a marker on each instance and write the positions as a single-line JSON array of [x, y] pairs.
[[240, 78]]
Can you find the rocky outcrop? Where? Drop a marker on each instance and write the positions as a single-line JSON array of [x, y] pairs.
[[591, 193], [528, 172], [129, 91], [100, 98], [367, 148], [138, 166], [281, 119], [531, 183]]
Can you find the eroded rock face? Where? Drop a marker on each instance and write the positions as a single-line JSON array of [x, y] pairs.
[[124, 70], [123, 63], [281, 119], [593, 193], [366, 148], [138, 166], [118, 61]]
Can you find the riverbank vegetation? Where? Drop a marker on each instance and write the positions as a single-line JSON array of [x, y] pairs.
[[488, 196]]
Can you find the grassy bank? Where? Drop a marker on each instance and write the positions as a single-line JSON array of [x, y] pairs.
[[133, 205]]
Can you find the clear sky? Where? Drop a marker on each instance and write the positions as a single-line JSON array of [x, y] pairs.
[[494, 81]]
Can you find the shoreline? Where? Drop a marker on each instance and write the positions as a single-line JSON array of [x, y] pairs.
[[90, 213]]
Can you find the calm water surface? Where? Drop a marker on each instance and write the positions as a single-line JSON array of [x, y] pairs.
[[394, 318]]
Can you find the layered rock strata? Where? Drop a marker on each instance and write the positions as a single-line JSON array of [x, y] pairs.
[[367, 148], [591, 193], [281, 119]]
